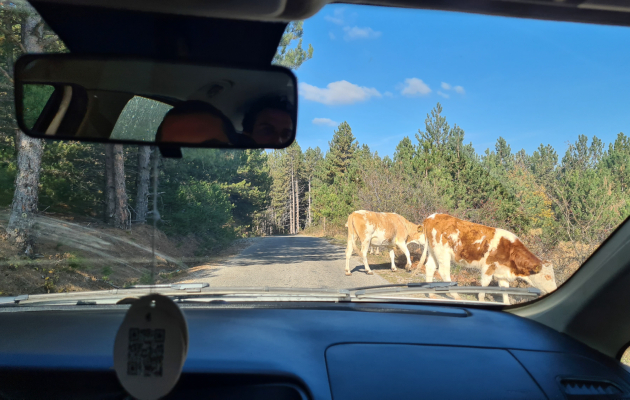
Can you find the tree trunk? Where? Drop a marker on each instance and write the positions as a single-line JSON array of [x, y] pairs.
[[297, 206], [142, 196], [291, 206], [110, 188], [24, 205], [121, 215], [29, 157], [310, 220]]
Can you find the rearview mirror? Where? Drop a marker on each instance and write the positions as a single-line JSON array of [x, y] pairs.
[[155, 102]]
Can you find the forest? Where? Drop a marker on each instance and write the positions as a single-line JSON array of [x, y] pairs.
[[561, 205]]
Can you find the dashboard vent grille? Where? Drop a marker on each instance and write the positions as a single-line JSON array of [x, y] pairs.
[[578, 387]]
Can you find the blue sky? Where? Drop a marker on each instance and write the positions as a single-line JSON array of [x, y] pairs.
[[532, 82]]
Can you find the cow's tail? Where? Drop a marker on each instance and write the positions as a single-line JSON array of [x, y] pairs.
[[352, 235], [424, 252]]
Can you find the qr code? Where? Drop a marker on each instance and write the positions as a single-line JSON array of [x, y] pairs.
[[145, 353]]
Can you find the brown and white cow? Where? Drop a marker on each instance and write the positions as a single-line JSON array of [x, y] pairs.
[[381, 229], [496, 252]]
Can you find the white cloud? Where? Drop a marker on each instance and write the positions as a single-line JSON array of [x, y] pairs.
[[414, 87], [446, 96], [324, 122], [388, 94], [331, 35], [340, 92], [336, 18], [459, 89], [360, 33], [446, 86]]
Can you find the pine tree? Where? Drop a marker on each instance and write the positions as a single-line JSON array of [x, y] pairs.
[[24, 32], [339, 157], [617, 160], [295, 57], [312, 163]]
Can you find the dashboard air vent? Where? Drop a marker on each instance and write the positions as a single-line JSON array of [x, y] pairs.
[[579, 387]]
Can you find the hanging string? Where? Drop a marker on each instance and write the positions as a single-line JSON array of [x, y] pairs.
[[156, 215]]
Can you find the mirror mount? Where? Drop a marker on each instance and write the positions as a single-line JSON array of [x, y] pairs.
[[170, 151]]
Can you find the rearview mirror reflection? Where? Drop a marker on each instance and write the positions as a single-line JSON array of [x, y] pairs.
[[147, 102]]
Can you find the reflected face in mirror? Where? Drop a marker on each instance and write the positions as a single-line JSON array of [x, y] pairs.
[[269, 122], [194, 122]]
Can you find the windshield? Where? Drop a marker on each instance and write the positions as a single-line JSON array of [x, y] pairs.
[[431, 146]]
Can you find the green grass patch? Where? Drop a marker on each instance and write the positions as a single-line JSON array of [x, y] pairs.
[[145, 279], [76, 261], [170, 275], [107, 271]]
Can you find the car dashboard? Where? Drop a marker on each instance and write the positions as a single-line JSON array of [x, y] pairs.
[[313, 351]]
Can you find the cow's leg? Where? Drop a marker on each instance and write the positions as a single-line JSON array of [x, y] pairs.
[[349, 254], [365, 246], [504, 283], [430, 267], [445, 273], [392, 256], [404, 249], [378, 251], [485, 281]]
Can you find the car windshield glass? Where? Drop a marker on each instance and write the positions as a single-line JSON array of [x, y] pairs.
[[431, 146]]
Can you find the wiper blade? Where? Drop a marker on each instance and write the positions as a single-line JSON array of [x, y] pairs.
[[269, 293], [407, 285], [173, 286], [525, 292], [175, 291]]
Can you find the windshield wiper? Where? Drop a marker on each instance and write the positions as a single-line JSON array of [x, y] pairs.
[[407, 285], [179, 292], [452, 287], [173, 286]]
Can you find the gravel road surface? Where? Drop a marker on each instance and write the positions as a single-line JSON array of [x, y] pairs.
[[288, 261]]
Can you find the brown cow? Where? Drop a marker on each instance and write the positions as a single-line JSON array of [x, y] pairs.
[[496, 252], [381, 229]]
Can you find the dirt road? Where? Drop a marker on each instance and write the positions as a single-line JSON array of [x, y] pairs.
[[288, 261]]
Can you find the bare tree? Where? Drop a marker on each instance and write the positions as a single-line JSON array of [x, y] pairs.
[[110, 189], [291, 205], [142, 183], [121, 214], [297, 204], [29, 157]]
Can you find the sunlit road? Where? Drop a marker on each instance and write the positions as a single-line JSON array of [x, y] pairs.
[[288, 261]]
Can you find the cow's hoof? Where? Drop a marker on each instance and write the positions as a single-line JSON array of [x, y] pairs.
[[394, 269], [348, 274], [370, 272]]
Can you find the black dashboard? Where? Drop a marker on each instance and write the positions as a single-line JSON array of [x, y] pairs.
[[313, 350]]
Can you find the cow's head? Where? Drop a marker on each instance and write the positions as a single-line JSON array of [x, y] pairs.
[[417, 236], [545, 280], [522, 261]]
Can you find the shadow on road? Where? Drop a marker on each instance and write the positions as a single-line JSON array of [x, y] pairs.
[[288, 250]]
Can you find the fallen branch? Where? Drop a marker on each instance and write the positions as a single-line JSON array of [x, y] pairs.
[[6, 74]]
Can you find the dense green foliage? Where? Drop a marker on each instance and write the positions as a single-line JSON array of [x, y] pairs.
[[212, 195]]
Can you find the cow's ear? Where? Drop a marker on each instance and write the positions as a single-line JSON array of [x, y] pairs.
[[420, 228]]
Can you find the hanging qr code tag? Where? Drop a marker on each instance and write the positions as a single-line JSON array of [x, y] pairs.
[[151, 347]]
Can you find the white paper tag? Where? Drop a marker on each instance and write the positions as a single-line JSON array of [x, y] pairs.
[[151, 347]]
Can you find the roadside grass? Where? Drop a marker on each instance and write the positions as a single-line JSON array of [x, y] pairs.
[[625, 359]]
